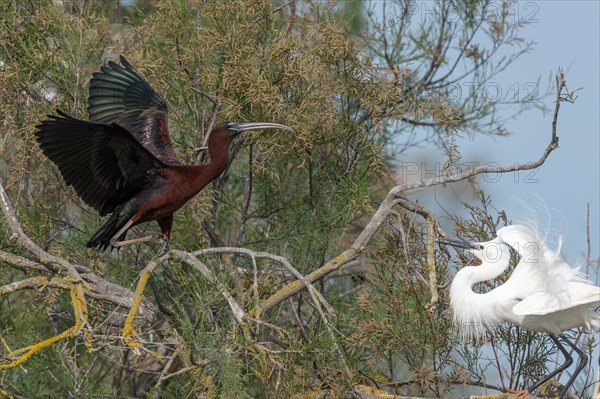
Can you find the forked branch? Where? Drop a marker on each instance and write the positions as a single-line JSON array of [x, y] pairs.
[[394, 196], [33, 248]]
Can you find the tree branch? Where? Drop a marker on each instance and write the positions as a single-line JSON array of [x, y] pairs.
[[314, 293], [26, 242], [393, 198], [368, 392], [22, 263], [238, 313]]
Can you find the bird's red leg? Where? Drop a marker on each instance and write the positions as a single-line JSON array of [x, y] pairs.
[[114, 241], [165, 226], [133, 241]]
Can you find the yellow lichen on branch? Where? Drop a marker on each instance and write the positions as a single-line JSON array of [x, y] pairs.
[[5, 395], [35, 282], [80, 311], [128, 330], [431, 264]]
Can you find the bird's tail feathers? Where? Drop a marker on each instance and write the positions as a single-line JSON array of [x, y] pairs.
[[101, 239], [593, 320]]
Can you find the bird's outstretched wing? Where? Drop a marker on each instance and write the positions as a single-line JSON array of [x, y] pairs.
[[118, 94], [547, 282], [104, 163]]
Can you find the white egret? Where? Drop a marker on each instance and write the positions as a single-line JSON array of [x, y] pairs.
[[543, 293]]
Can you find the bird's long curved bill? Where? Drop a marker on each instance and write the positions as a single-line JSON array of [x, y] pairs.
[[241, 127], [458, 243]]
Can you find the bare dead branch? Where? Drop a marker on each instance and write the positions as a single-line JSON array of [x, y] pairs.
[[213, 118], [367, 392], [163, 375], [238, 313], [393, 198], [33, 248], [433, 284], [317, 297], [433, 229], [22, 263]]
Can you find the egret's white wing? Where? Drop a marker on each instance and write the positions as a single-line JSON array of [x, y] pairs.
[[574, 294], [539, 303], [545, 281], [531, 273], [582, 293]]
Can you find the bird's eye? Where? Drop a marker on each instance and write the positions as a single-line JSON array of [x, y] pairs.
[[481, 247], [232, 126]]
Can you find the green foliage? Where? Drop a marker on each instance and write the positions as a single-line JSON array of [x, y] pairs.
[[396, 328], [351, 93]]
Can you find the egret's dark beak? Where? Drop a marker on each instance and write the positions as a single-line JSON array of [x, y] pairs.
[[460, 243], [242, 127]]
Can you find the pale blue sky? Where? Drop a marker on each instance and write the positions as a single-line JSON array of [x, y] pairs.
[[567, 35]]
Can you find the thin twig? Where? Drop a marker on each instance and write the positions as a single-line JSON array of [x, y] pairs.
[[392, 199], [588, 260], [33, 248], [238, 313], [312, 290], [163, 375], [273, 11]]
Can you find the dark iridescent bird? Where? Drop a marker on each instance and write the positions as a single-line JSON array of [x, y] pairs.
[[121, 160]]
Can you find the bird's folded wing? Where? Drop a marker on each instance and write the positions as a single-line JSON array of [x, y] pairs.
[[119, 94], [539, 303], [104, 163], [574, 294]]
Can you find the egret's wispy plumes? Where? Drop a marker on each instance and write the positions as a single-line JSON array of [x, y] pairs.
[[543, 294]]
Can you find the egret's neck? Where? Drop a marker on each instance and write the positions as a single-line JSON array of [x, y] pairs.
[[472, 311], [475, 274]]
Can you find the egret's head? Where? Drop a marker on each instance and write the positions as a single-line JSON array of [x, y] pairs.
[[489, 251]]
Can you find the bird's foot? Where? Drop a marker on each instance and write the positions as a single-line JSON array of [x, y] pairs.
[[163, 244], [520, 394]]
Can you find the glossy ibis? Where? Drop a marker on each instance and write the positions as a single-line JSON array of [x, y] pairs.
[[121, 160]]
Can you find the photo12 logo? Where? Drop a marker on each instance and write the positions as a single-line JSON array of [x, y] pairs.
[[493, 92], [413, 171], [516, 12]]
